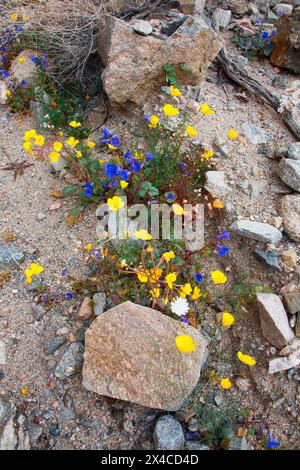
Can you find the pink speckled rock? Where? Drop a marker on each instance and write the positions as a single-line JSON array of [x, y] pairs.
[[130, 354]]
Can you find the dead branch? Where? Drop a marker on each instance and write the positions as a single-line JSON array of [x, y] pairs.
[[254, 87]]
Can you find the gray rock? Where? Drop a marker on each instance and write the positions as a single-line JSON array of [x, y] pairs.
[[289, 171], [168, 434], [38, 311], [192, 6], [35, 431], [41, 216], [262, 5], [292, 301], [143, 27], [271, 17], [222, 18], [274, 320], [3, 90], [278, 364], [194, 445], [271, 258], [2, 353], [283, 8], [13, 428], [99, 303], [243, 384], [289, 209], [26, 70], [294, 151], [70, 362], [53, 343], [238, 7], [255, 134], [11, 255], [169, 27], [256, 231], [215, 183]]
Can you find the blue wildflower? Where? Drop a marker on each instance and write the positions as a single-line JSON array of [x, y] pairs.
[[135, 166], [45, 64], [272, 33], [170, 197], [64, 272], [224, 235], [199, 277], [271, 444], [35, 59], [45, 298], [264, 35], [149, 156], [111, 170], [123, 174], [184, 319], [4, 73], [147, 118], [128, 154], [4, 58], [23, 83], [222, 250], [69, 296], [115, 141], [88, 189]]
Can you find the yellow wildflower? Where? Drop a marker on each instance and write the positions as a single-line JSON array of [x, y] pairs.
[[154, 120], [27, 146], [115, 203], [191, 131], [227, 319], [24, 391], [21, 60], [143, 235], [155, 292], [123, 184], [218, 277], [232, 134], [28, 275], [36, 268], [72, 142], [177, 209], [170, 278], [88, 247], [74, 124], [218, 204], [78, 154], [207, 154], [206, 109], [249, 360], [168, 255], [174, 91], [57, 146], [14, 16], [185, 344], [170, 110], [8, 93], [185, 290], [29, 135], [143, 277], [90, 144], [39, 140], [26, 18], [54, 157], [225, 383], [197, 293], [111, 147], [154, 275]]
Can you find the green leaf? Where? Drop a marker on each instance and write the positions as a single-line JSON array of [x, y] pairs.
[[68, 191]]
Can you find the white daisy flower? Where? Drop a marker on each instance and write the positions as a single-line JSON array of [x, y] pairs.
[[180, 306]]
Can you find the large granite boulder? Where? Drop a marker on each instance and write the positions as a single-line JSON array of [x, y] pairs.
[[134, 63], [286, 53], [131, 354]]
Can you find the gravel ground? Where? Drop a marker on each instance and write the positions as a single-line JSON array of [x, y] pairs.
[[70, 417]]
